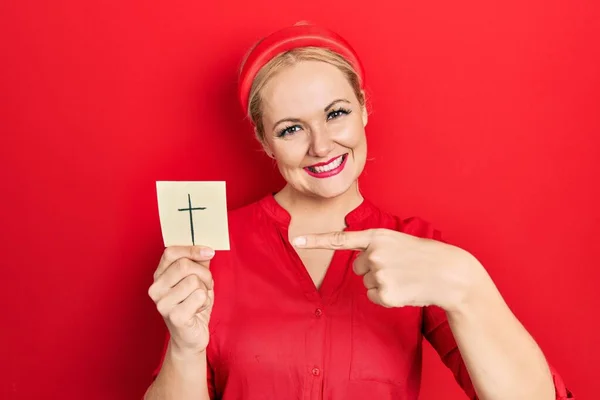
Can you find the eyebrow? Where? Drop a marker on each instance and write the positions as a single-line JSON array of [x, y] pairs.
[[296, 120], [333, 103]]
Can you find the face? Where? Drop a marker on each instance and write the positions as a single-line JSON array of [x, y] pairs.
[[315, 128]]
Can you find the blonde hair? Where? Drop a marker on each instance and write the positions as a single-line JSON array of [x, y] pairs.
[[287, 59]]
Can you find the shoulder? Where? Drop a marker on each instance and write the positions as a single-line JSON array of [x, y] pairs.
[[247, 210], [412, 225], [242, 224], [250, 214], [250, 225], [419, 227]]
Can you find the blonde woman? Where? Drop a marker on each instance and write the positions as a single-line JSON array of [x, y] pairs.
[[323, 295]]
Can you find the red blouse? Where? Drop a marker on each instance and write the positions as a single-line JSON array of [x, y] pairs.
[[275, 336]]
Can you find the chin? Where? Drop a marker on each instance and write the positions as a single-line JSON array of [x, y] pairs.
[[330, 190], [327, 194]]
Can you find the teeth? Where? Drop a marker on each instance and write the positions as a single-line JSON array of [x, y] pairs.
[[332, 165]]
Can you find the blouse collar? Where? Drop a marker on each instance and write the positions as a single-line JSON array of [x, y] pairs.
[[281, 215]]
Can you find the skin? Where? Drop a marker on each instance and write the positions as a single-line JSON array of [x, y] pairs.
[[398, 270], [323, 128], [327, 121]]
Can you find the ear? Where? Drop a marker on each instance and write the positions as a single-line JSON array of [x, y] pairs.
[[365, 112]]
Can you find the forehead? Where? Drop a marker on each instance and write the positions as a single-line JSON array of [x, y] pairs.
[[304, 88]]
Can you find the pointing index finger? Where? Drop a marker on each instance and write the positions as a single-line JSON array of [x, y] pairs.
[[345, 240]]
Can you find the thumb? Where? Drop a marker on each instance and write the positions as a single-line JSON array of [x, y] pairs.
[[355, 240]]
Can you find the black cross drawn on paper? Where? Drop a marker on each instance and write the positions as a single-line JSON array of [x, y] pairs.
[[190, 209]]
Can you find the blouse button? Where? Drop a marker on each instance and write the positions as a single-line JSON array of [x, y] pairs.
[[318, 312], [316, 371]]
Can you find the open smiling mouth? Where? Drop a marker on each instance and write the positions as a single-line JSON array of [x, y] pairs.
[[328, 168]]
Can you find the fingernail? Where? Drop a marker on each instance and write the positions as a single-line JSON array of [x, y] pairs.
[[207, 252], [300, 241]]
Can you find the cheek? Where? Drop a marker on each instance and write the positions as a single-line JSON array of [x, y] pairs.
[[351, 135], [289, 154]]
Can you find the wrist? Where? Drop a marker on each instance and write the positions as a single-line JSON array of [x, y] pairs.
[[471, 284], [184, 366], [185, 355]]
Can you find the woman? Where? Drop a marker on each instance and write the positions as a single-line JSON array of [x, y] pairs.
[[323, 295]]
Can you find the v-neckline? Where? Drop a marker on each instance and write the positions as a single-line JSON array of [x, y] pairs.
[[338, 265]]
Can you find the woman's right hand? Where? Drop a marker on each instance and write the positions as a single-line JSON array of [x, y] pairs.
[[184, 296]]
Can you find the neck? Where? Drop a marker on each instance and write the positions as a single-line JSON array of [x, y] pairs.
[[300, 205]]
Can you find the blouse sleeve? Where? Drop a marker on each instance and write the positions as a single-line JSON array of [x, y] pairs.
[[436, 330]]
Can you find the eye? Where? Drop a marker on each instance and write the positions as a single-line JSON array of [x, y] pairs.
[[288, 131], [338, 113]]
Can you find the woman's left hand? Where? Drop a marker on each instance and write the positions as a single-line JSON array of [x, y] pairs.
[[404, 270]]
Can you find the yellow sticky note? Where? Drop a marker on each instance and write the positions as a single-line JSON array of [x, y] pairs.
[[193, 213]]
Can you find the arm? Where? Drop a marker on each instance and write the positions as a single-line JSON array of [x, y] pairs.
[[401, 269], [489, 351], [502, 358], [183, 291], [182, 376]]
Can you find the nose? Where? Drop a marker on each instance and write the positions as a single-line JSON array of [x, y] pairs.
[[321, 143]]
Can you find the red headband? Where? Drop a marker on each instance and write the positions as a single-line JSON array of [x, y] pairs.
[[287, 39]]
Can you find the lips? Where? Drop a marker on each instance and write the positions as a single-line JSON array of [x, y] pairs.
[[328, 168]]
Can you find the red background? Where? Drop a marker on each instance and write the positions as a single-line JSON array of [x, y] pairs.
[[485, 121]]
